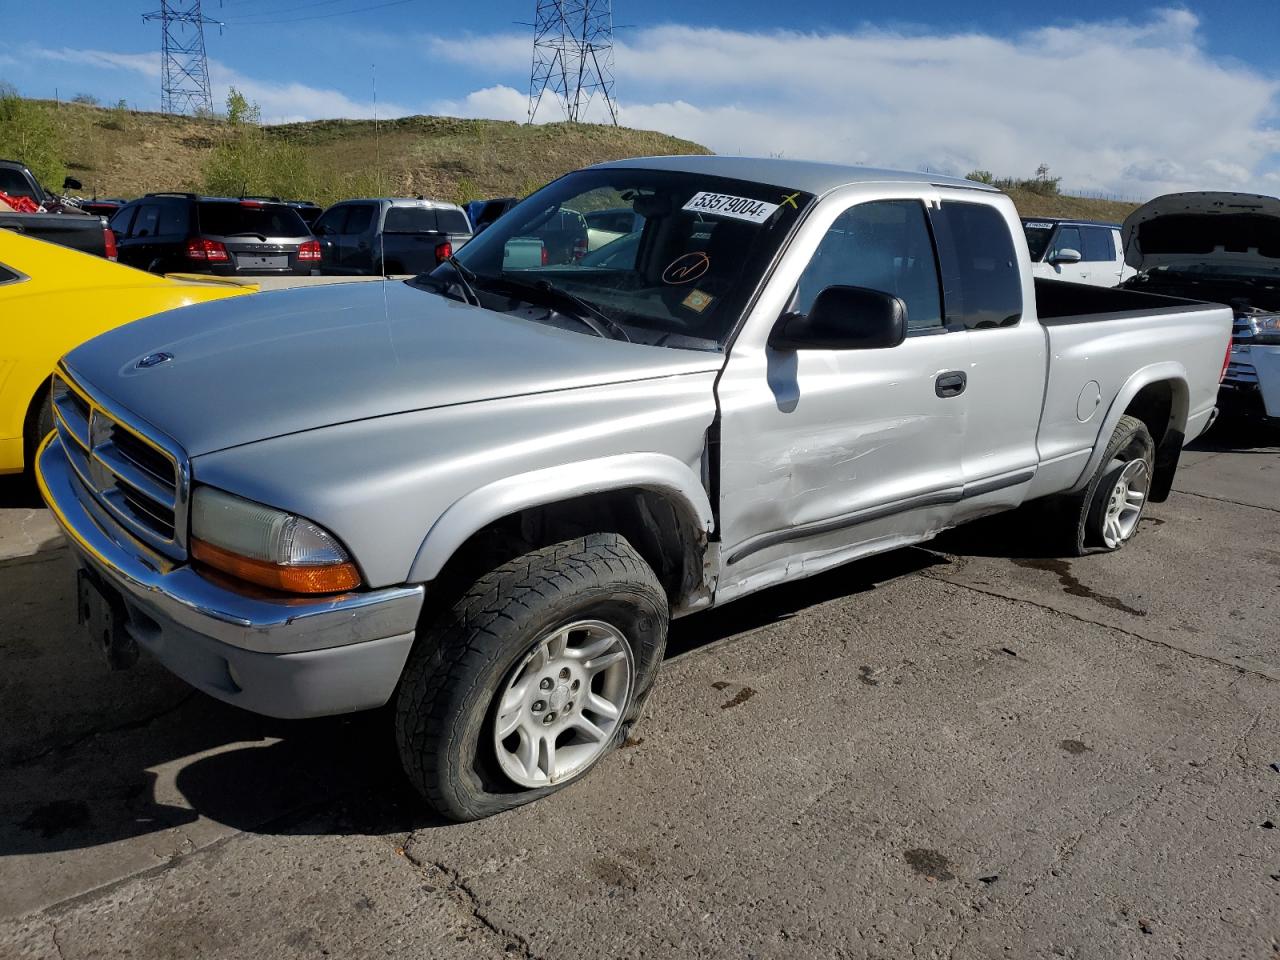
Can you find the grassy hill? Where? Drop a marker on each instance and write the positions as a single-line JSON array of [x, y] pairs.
[[118, 152]]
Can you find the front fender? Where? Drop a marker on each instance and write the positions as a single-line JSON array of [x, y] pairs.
[[1170, 371], [472, 512]]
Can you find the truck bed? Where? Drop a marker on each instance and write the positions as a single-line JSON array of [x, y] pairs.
[[1060, 302], [77, 231], [1101, 347]]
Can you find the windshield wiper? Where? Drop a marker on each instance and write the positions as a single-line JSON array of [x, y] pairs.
[[582, 310], [465, 278]]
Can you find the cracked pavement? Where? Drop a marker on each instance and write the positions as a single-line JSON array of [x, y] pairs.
[[962, 750]]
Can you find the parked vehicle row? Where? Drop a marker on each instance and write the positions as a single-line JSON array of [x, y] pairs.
[[486, 491]]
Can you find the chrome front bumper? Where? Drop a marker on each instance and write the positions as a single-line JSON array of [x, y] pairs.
[[282, 657]]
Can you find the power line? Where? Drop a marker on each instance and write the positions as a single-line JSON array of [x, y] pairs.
[[573, 56], [247, 21]]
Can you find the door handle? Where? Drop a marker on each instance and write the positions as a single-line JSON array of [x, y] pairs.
[[951, 383]]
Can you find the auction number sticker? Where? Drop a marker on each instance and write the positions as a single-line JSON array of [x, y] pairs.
[[725, 205], [1036, 225]]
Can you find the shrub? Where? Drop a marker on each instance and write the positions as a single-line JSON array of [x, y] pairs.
[[28, 133]]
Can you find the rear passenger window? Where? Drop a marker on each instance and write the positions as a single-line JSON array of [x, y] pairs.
[[173, 220], [981, 282], [120, 222], [359, 217], [883, 245], [148, 218], [1098, 245]]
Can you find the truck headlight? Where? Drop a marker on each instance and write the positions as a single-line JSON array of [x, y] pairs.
[[1266, 329], [266, 546]]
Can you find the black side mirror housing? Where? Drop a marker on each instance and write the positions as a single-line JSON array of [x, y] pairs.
[[71, 183], [844, 318]]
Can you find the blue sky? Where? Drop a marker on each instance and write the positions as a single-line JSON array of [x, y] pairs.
[[1163, 97]]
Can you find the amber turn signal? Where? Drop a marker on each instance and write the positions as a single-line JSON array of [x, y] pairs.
[[310, 578]]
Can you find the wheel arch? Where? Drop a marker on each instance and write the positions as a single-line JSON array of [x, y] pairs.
[[654, 500], [1159, 396]]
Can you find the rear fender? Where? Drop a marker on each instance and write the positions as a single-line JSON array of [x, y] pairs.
[[476, 510], [1175, 375]]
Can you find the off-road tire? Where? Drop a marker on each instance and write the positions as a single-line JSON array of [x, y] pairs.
[[445, 704], [1080, 513]]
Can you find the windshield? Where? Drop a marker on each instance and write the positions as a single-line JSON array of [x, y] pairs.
[[691, 251], [1038, 234]]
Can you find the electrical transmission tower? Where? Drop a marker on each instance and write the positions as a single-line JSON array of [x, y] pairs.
[[573, 56], [184, 68]]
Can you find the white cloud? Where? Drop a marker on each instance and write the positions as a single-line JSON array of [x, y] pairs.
[[292, 102], [1134, 108], [498, 102], [147, 64]]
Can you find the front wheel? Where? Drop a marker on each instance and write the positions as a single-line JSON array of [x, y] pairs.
[[532, 677]]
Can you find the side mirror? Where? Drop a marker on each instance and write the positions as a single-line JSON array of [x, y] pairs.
[[1065, 255], [71, 183], [844, 318]]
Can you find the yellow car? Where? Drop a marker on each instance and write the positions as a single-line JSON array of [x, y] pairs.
[[53, 299]]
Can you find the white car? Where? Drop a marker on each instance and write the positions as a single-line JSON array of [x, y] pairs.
[[1078, 251], [1223, 248]]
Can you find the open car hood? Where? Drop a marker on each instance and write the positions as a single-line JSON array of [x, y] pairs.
[[1202, 228]]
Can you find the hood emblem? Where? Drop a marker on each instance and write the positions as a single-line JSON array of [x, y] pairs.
[[153, 360]]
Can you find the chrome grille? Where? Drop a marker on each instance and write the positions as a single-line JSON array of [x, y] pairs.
[[139, 476], [1242, 330]]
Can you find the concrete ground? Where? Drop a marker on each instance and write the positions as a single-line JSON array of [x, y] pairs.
[[964, 751]]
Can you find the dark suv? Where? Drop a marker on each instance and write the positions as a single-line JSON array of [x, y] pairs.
[[186, 233]]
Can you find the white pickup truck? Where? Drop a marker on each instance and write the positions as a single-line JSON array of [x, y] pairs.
[[482, 494], [1078, 251]]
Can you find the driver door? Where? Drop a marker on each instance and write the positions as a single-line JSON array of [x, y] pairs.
[[827, 454]]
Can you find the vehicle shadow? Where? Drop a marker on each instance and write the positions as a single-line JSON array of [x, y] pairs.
[[18, 491], [198, 758], [1236, 435]]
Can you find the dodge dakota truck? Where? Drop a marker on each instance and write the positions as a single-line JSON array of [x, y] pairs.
[[479, 496]]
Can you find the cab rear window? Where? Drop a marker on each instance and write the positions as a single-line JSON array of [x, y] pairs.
[[243, 219], [424, 220]]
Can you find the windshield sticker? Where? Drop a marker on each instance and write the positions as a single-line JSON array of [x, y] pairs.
[[686, 269], [1032, 225], [697, 301], [724, 205], [790, 198]]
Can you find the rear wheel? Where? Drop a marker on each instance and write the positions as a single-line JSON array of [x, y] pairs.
[[1105, 515], [532, 677]]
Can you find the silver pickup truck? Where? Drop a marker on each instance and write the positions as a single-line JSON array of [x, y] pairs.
[[479, 496]]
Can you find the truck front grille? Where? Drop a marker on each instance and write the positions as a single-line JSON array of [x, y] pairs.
[[1242, 330], [140, 477]]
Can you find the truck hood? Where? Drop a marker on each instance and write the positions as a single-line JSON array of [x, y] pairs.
[[1203, 228], [271, 364]]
